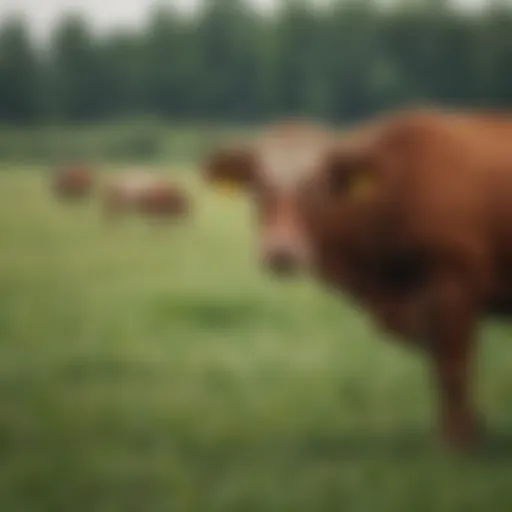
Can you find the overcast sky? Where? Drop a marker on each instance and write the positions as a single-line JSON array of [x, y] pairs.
[[108, 13]]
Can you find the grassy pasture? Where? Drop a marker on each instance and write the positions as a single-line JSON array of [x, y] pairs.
[[157, 369]]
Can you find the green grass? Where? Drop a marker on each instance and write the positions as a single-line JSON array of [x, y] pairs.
[[157, 369]]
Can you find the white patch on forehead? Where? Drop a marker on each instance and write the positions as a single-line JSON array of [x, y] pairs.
[[286, 164]]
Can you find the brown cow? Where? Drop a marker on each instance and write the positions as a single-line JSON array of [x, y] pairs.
[[410, 214], [73, 182], [146, 194]]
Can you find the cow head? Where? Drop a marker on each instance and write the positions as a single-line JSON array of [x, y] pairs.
[[308, 189]]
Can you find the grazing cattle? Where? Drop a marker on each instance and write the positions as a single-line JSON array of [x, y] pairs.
[[410, 214], [145, 194], [73, 182]]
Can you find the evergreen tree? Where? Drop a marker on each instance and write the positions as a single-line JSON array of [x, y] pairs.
[[20, 99]]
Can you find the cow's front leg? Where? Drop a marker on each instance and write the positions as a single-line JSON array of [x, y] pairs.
[[452, 326]]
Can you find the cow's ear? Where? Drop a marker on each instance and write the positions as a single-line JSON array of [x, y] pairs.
[[230, 169], [349, 172]]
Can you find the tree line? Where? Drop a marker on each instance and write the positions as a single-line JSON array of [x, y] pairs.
[[227, 63]]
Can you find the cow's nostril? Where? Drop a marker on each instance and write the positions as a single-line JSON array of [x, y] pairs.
[[282, 262]]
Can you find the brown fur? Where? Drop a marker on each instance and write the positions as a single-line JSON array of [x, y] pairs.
[[73, 182], [145, 194], [426, 250]]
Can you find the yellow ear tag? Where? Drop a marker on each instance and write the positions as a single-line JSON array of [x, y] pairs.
[[362, 186], [228, 188]]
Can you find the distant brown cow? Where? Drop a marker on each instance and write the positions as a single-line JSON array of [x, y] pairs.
[[145, 194], [410, 214], [73, 182]]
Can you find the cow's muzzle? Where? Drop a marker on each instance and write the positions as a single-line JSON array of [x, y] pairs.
[[285, 257], [282, 262]]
